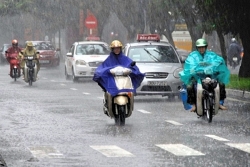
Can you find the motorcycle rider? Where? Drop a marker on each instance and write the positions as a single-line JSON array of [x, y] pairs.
[[29, 51], [13, 49], [234, 50], [202, 55], [116, 58]]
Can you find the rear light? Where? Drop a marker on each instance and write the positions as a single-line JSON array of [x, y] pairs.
[[130, 94]]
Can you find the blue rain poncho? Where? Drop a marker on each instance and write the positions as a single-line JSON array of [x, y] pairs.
[[103, 76], [210, 64]]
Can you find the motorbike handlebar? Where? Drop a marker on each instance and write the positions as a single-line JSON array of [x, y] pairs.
[[30, 58]]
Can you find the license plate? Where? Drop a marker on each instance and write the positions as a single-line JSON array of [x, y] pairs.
[[44, 61], [93, 69], [157, 83]]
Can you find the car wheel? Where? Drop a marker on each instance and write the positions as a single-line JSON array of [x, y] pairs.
[[66, 74], [171, 97], [75, 79], [3, 61], [58, 62]]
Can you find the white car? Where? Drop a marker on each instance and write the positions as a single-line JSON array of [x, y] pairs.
[[84, 57]]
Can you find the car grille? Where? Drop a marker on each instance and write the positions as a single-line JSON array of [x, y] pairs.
[[156, 75], [95, 64], [156, 88]]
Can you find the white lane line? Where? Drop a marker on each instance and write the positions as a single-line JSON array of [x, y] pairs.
[[217, 138], [144, 111], [52, 80], [73, 88], [45, 78], [85, 93], [232, 99], [63, 84], [112, 151], [179, 150], [100, 97], [173, 122], [241, 146], [45, 152]]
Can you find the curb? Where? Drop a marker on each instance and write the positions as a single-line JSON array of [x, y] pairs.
[[238, 93]]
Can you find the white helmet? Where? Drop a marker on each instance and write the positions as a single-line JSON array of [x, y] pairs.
[[233, 40]]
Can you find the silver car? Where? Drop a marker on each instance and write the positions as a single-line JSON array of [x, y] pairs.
[[161, 64], [84, 57]]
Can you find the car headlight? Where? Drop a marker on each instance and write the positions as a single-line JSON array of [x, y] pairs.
[[176, 72], [80, 62]]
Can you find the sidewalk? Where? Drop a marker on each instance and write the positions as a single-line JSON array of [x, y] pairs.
[[238, 93]]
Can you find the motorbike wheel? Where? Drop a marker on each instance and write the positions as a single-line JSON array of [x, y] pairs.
[[30, 82], [15, 74], [209, 109], [120, 119], [30, 78], [233, 66]]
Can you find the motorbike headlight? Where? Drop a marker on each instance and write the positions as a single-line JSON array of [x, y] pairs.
[[176, 72], [80, 62]]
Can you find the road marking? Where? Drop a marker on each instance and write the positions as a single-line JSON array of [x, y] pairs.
[[217, 138], [85, 93], [179, 150], [173, 122], [232, 99], [144, 111], [45, 152], [45, 78], [241, 146], [100, 97], [73, 88], [112, 151], [52, 80], [63, 84]]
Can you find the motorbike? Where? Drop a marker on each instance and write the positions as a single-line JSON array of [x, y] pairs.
[[234, 62], [30, 69], [207, 94], [121, 105], [15, 65]]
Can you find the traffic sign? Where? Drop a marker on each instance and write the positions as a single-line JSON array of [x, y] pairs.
[[91, 22]]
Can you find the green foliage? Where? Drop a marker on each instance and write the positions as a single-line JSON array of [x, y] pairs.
[[239, 83], [14, 7]]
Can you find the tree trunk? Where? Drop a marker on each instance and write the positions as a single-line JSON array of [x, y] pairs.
[[222, 45], [244, 71], [168, 35]]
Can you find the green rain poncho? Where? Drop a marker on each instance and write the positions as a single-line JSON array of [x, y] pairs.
[[209, 64]]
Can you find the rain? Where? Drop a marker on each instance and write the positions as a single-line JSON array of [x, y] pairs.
[[64, 118]]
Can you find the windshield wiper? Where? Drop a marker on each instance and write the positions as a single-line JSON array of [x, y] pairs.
[[155, 59]]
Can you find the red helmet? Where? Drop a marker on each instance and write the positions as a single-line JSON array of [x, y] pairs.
[[14, 42]]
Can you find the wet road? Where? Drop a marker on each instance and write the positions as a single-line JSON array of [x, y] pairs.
[[58, 123]]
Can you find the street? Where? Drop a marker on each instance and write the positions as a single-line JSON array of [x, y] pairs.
[[56, 123]]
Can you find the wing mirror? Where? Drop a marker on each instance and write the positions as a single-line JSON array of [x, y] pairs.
[[69, 54]]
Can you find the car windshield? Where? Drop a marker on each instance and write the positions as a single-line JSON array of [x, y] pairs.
[[44, 46], [151, 53], [89, 49]]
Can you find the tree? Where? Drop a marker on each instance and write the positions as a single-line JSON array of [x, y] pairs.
[[230, 17], [161, 18]]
